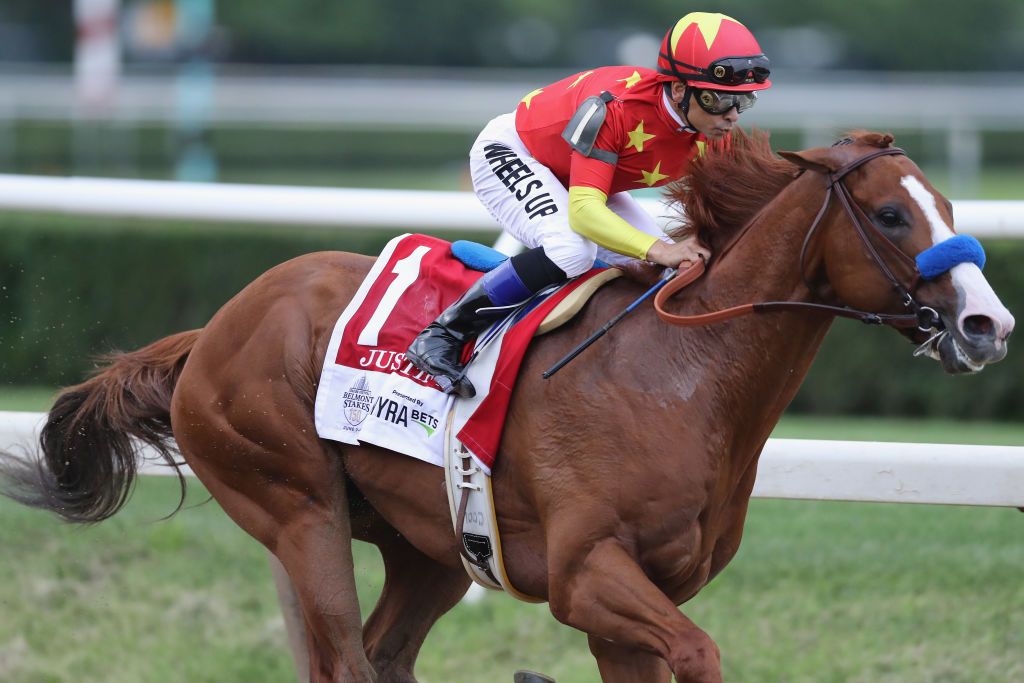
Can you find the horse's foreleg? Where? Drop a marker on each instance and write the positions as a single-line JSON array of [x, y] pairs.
[[604, 593], [417, 592], [623, 664]]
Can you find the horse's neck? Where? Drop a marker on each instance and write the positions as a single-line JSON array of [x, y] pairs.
[[751, 367], [764, 263]]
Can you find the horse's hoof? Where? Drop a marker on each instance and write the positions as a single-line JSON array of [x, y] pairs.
[[532, 677]]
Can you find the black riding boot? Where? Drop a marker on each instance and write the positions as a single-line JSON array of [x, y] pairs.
[[437, 349]]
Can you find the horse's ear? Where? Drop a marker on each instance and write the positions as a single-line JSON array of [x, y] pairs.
[[812, 159], [879, 139]]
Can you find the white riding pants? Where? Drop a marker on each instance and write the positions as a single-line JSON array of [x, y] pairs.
[[531, 204]]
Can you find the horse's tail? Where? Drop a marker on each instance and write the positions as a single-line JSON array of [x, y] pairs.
[[87, 467]]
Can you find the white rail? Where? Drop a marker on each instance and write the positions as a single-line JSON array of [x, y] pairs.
[[336, 207], [810, 470]]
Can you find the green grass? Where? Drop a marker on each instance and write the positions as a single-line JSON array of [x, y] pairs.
[[34, 399], [136, 599], [820, 593], [854, 592]]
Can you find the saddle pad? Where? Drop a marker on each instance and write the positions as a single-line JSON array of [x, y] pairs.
[[369, 393]]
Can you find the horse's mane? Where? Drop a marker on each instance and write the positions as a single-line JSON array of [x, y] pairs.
[[727, 185], [731, 182]]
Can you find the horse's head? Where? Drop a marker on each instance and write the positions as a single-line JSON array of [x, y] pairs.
[[906, 246]]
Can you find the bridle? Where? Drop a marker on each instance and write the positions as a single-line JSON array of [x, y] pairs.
[[922, 317]]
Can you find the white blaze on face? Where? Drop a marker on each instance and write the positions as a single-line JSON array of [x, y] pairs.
[[976, 295], [926, 200]]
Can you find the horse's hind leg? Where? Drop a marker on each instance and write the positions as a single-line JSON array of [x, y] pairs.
[[282, 485], [417, 592], [315, 548], [294, 621]]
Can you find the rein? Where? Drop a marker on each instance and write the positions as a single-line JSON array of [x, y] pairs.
[[923, 317]]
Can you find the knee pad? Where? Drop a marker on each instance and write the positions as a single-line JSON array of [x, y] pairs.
[[572, 253], [536, 270]]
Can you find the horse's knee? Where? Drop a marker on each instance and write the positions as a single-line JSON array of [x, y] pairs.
[[695, 658]]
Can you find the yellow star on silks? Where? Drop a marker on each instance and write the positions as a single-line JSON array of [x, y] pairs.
[[631, 80], [650, 178], [580, 78], [531, 95], [702, 147], [637, 137]]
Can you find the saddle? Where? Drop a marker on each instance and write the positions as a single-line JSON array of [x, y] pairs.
[[483, 258]]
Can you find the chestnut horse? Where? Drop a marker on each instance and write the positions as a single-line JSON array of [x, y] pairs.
[[623, 482]]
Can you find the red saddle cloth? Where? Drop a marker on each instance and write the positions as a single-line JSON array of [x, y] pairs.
[[370, 393]]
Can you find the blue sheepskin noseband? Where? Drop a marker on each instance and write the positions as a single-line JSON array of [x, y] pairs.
[[936, 260]]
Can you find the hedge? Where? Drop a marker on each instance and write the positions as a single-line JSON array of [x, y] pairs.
[[71, 289]]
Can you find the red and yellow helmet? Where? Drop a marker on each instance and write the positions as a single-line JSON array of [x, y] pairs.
[[713, 51]]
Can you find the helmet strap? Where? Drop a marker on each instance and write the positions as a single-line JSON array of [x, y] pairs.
[[684, 106]]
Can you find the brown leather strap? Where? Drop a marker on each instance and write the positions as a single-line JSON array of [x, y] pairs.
[[836, 176], [681, 280], [694, 272], [834, 186]]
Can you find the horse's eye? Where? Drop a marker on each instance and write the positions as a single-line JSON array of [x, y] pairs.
[[889, 218]]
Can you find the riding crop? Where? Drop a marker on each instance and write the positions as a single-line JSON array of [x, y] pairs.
[[665, 277]]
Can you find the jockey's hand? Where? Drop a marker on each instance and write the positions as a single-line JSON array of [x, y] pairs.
[[674, 254]]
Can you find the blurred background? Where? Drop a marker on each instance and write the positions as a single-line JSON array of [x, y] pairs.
[[392, 93], [363, 93], [389, 94]]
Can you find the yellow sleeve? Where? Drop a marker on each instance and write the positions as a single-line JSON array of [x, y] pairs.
[[590, 216]]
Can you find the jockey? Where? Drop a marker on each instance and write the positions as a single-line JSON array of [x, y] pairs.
[[556, 172]]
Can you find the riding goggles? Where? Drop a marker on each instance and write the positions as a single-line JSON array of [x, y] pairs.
[[738, 70], [718, 102]]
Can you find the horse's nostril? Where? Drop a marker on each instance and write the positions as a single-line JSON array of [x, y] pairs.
[[979, 326]]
